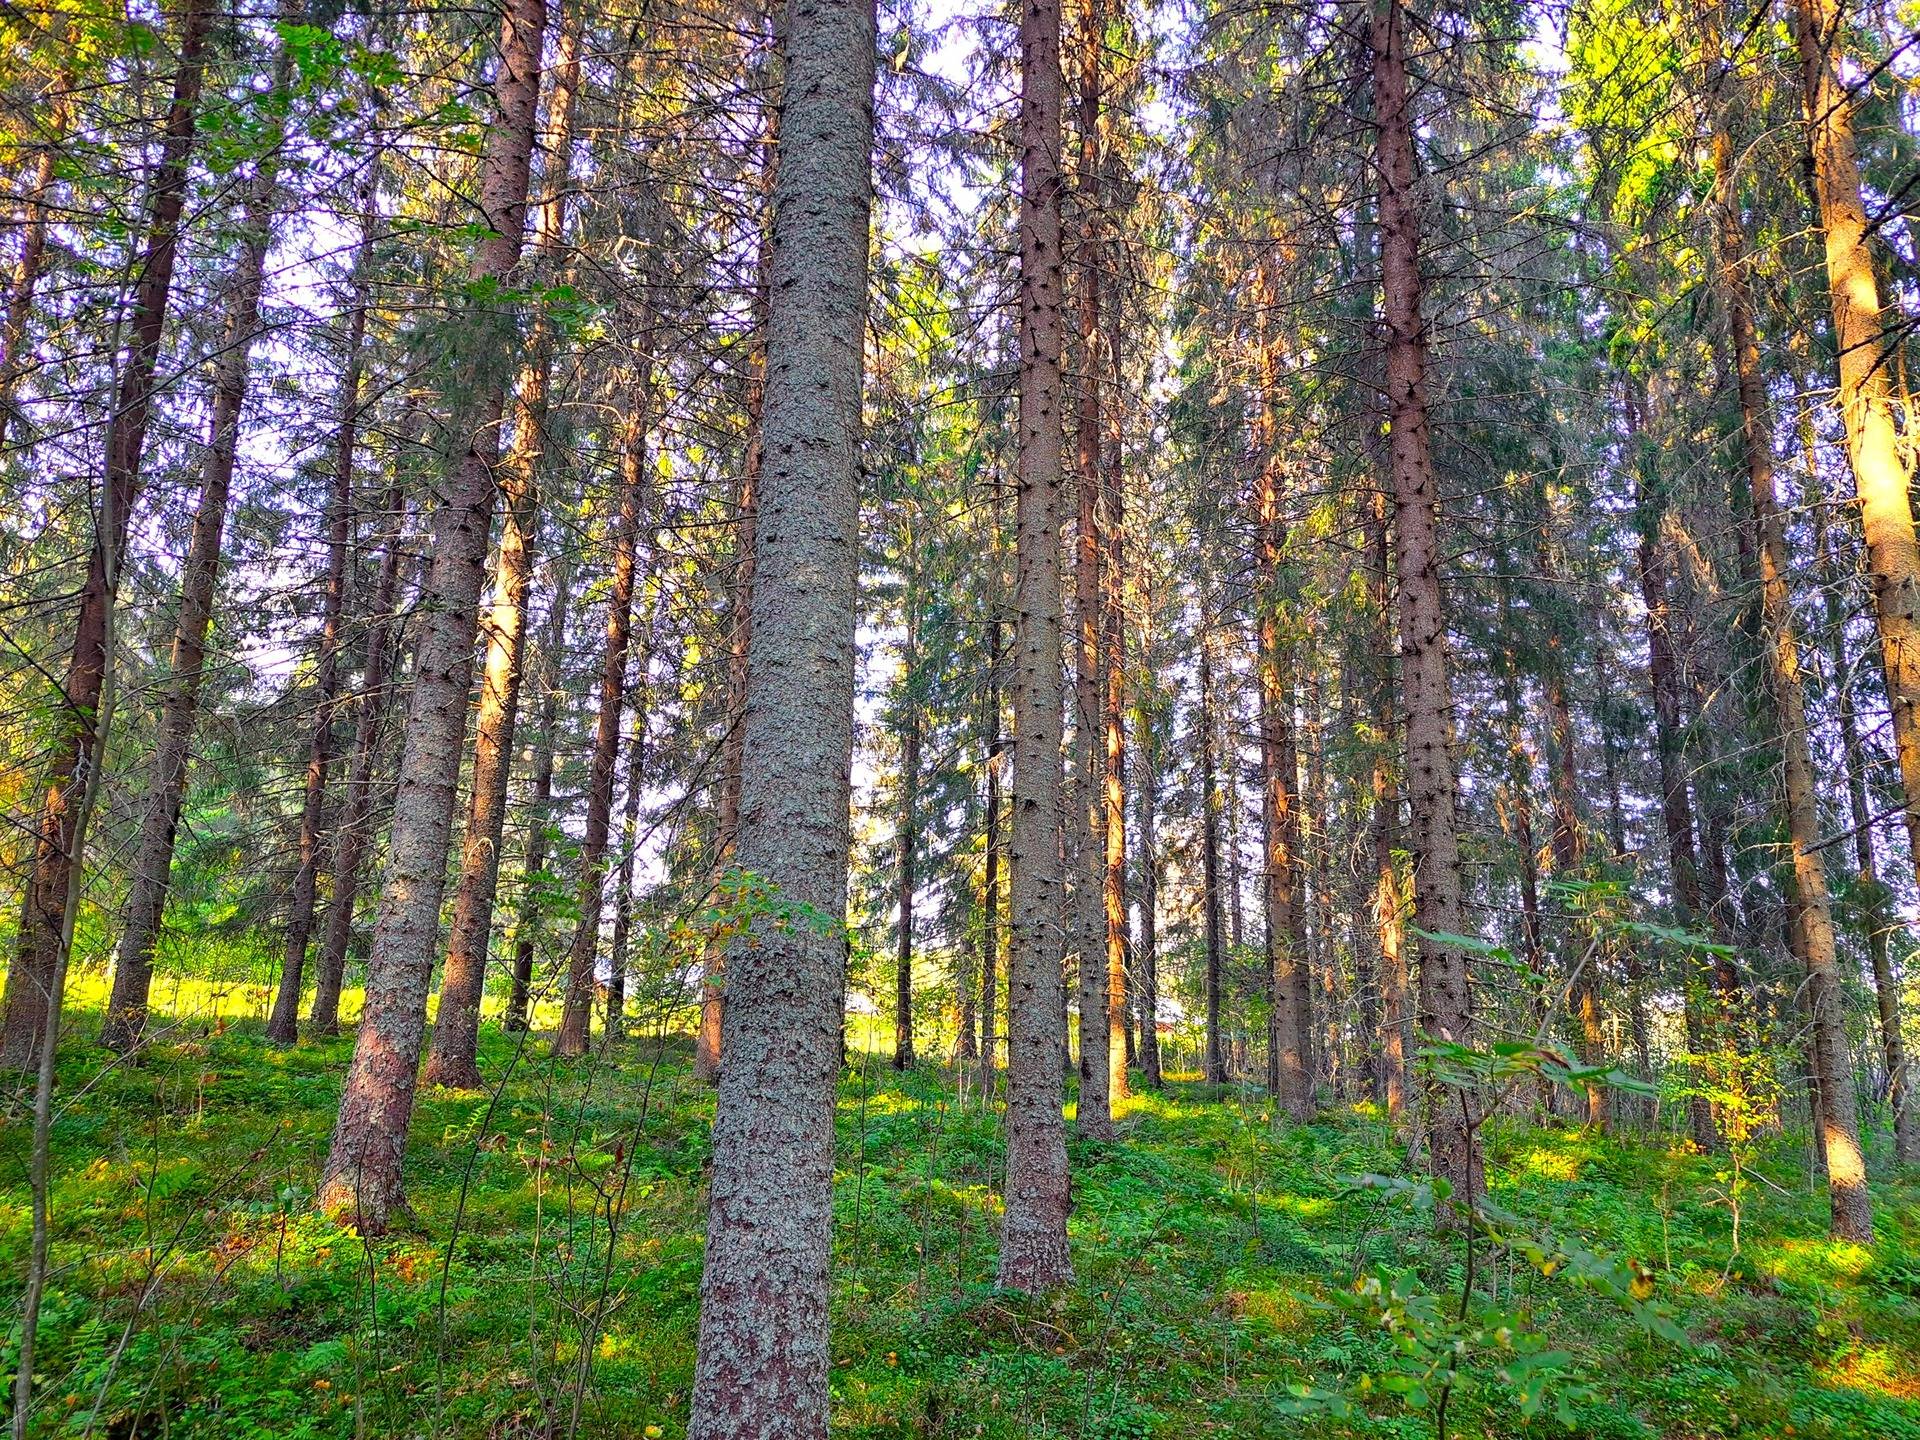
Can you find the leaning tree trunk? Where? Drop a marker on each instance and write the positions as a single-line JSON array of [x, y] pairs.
[[126, 1019], [1868, 341], [576, 1015], [453, 1059], [1033, 1243], [350, 837], [362, 1175], [1446, 1002], [1850, 1206], [283, 1023], [762, 1367], [77, 738]]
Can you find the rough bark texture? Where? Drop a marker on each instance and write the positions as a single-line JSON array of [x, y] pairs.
[[362, 1175], [762, 1365], [1867, 342], [126, 1018], [576, 1016], [1446, 1002], [1851, 1208], [452, 1059], [284, 1022], [28, 993], [351, 825], [1033, 1241]]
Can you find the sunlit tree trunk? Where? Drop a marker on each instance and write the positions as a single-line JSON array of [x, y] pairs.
[[762, 1367], [1446, 1008], [362, 1175], [452, 1059], [1868, 340], [126, 1019], [1033, 1244], [1389, 904], [1851, 1208], [76, 737], [36, 213]]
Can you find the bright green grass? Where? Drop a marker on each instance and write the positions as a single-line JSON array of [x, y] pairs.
[[193, 1284]]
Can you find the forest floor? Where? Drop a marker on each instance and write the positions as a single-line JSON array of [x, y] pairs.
[[195, 1294]]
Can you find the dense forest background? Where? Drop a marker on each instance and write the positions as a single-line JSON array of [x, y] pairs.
[[1112, 720]]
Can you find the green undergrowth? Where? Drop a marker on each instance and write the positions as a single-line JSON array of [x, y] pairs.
[[1221, 1264]]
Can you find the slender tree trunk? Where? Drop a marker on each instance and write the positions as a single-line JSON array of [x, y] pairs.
[[1519, 806], [713, 995], [909, 807], [1086, 837], [28, 995], [1147, 953], [362, 1175], [762, 1368], [992, 882], [1389, 904], [1878, 922], [126, 1019], [1213, 1066], [640, 695], [1851, 1207], [1446, 1002], [452, 1059], [1868, 341], [576, 1016], [284, 1021], [1033, 1247], [531, 923], [351, 826]]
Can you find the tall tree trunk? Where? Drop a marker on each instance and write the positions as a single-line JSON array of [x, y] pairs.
[[1867, 342], [762, 1365], [576, 1015], [1147, 952], [1389, 904], [284, 1021], [909, 807], [640, 702], [1033, 1246], [77, 738], [532, 918], [1851, 1207], [1874, 900], [1086, 836], [351, 826], [126, 1019], [992, 883], [452, 1058], [1289, 996], [713, 995], [1213, 1066], [1446, 1002], [362, 1175], [1519, 819]]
